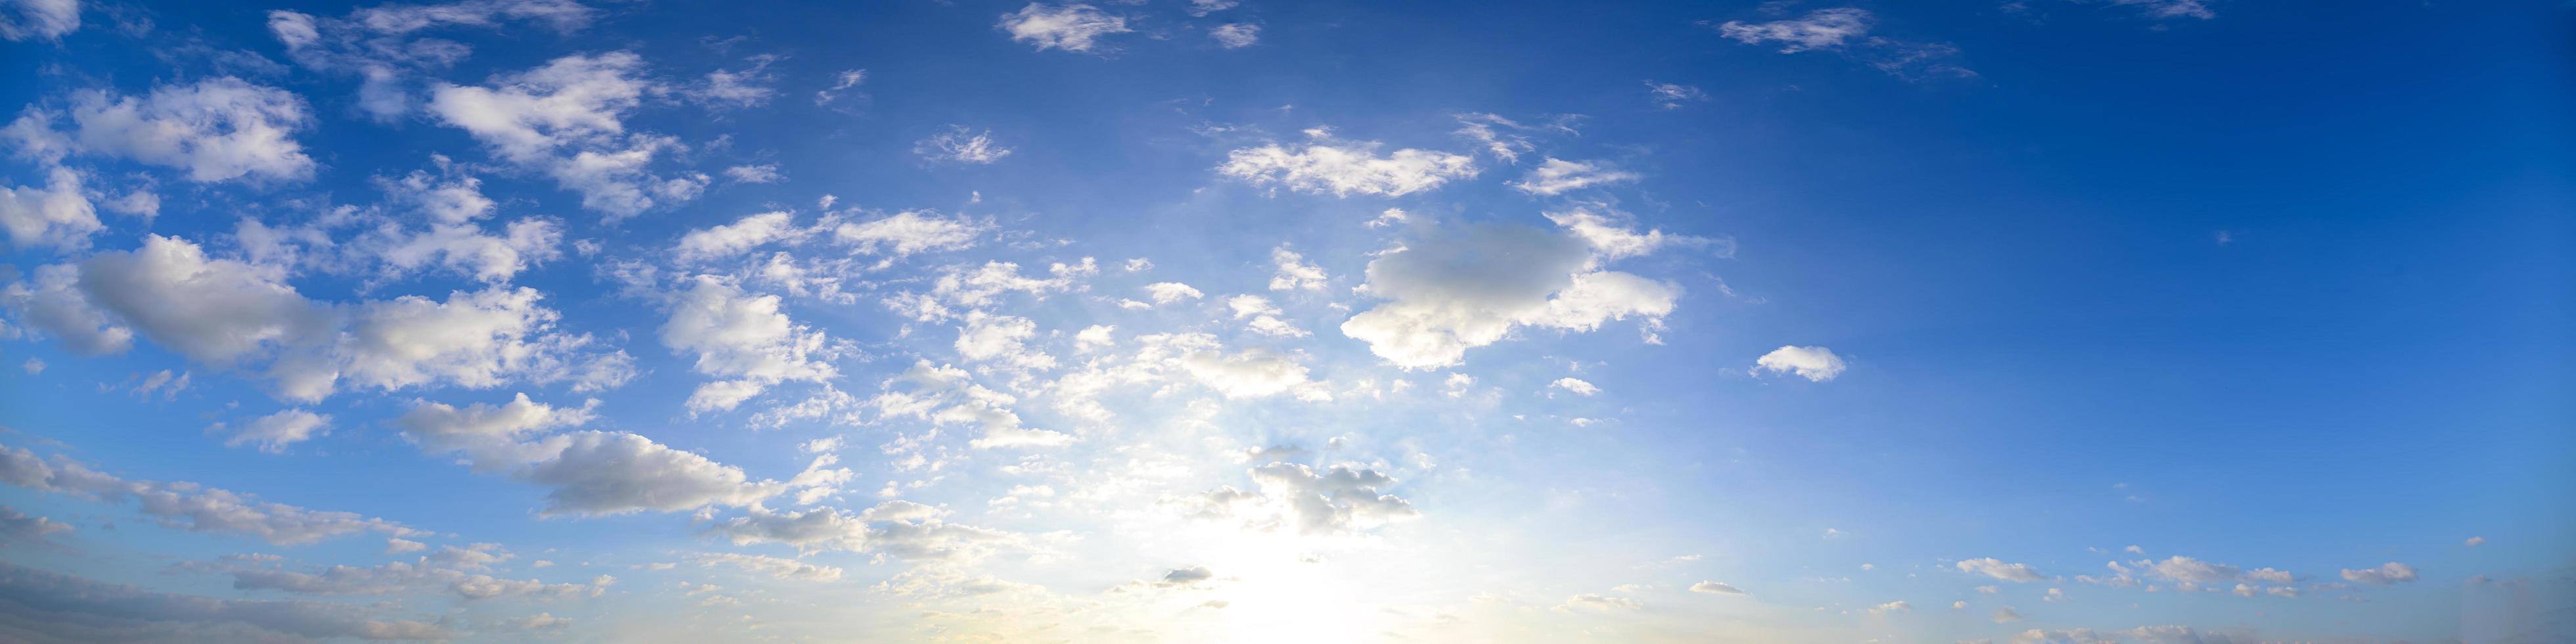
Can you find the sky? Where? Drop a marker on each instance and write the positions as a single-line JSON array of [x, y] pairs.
[[2062, 321]]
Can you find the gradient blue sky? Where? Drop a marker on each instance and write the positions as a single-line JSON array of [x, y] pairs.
[[2033, 321]]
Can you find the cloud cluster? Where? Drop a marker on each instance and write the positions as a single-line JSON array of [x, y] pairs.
[[1342, 168], [189, 506], [1474, 284], [567, 118]]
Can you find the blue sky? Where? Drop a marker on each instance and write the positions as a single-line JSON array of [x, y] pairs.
[[1200, 320]]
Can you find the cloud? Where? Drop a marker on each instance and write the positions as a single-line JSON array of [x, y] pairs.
[[18, 529], [775, 567], [1293, 273], [68, 608], [2388, 573], [909, 232], [2006, 614], [1556, 176], [903, 529], [603, 473], [1169, 292], [273, 432], [738, 88], [762, 173], [2171, 8], [1185, 576], [385, 46], [1817, 364], [944, 395], [567, 118], [57, 215], [1672, 96], [1001, 339], [488, 435], [743, 337], [1991, 567], [1074, 27], [1819, 29], [190, 506], [1898, 606], [1575, 385], [1293, 497], [1715, 588], [1236, 35], [216, 129], [1342, 168], [39, 19], [2474, 542], [729, 240], [1599, 603], [1473, 284], [961, 145]]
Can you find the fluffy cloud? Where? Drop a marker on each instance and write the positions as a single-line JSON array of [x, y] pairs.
[[776, 567], [488, 435], [905, 233], [728, 240], [1327, 165], [1294, 497], [273, 432], [385, 46], [216, 129], [567, 117], [1817, 364], [1475, 283], [1991, 567], [189, 506], [1236, 35], [1576, 385], [742, 337], [943, 395], [1819, 29], [603, 473], [1169, 292], [1001, 339], [1715, 588], [1293, 273], [57, 215], [1556, 176], [1074, 27]]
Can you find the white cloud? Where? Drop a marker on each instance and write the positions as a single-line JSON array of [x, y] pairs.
[[1817, 364], [1898, 606], [1672, 96], [1074, 27], [1715, 588], [273, 432], [2388, 573], [912, 231], [845, 80], [217, 129], [1293, 497], [1599, 603], [775, 567], [603, 473], [1345, 167], [567, 117], [729, 240], [747, 87], [56, 215], [386, 45], [1475, 283], [902, 529], [1205, 7], [1556, 176], [1001, 339], [742, 337], [1294, 273], [2474, 542], [1576, 385], [943, 395], [762, 173], [1169, 292], [486, 434], [39, 19], [1236, 35], [961, 145], [1991, 567], [1819, 29], [1610, 236]]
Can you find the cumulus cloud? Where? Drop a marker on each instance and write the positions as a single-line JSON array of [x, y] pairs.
[[1169, 292], [1294, 273], [385, 46], [567, 118], [57, 215], [743, 338], [775, 567], [603, 473], [1293, 497], [729, 240], [1073, 27], [216, 129], [1991, 567], [1715, 588], [902, 529], [1556, 176], [1474, 284], [1817, 364], [912, 231], [1236, 35], [1328, 165], [943, 395], [1576, 385]]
